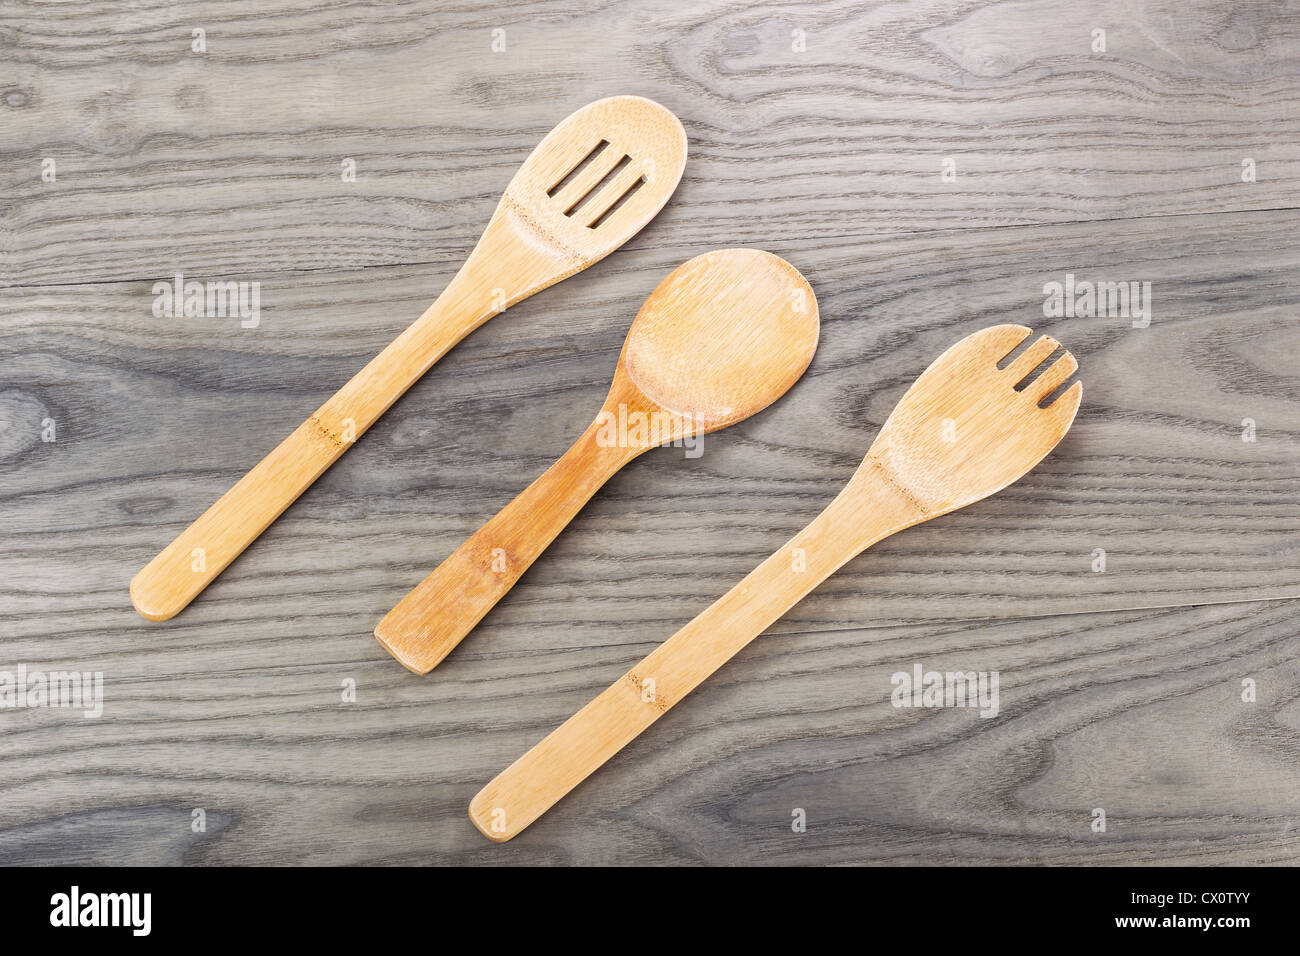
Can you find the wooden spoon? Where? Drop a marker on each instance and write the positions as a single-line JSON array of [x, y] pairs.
[[587, 188], [962, 432], [722, 337]]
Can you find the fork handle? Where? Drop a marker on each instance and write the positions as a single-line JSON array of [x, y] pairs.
[[442, 609], [536, 781], [203, 550]]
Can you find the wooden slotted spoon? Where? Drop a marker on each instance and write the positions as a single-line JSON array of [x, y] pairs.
[[962, 432], [588, 187], [721, 338]]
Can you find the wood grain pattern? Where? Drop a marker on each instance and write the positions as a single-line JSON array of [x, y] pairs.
[[1136, 712], [172, 158], [721, 338], [1121, 688]]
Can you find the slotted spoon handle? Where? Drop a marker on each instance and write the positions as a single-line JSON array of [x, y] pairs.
[[179, 572], [437, 614], [862, 514]]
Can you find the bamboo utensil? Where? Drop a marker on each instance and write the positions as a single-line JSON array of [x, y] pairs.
[[721, 338], [962, 432], [587, 188]]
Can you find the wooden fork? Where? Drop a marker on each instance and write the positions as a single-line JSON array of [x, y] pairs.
[[587, 188], [964, 430]]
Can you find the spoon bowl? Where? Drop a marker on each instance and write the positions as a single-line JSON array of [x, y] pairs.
[[722, 337]]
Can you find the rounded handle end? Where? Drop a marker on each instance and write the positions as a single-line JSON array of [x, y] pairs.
[[490, 821], [153, 603], [412, 651]]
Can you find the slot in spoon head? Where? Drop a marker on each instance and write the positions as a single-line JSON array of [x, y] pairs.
[[722, 337]]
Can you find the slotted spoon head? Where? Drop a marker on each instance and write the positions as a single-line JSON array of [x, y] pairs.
[[967, 428], [597, 178]]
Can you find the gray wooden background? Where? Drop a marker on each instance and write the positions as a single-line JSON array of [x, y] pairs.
[[1120, 689]]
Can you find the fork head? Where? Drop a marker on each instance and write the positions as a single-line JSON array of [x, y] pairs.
[[974, 422], [597, 178]]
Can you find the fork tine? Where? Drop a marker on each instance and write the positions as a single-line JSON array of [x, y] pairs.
[[1063, 409], [999, 341], [992, 344], [1031, 358], [1052, 377]]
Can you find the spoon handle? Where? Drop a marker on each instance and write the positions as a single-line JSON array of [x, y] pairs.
[[434, 617], [181, 571], [862, 514]]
